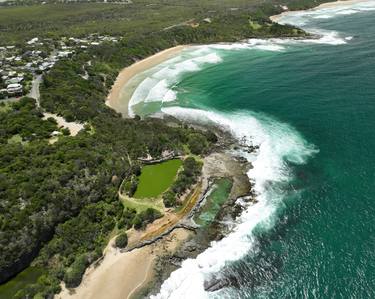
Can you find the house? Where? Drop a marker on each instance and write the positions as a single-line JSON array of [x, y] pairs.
[[10, 58], [12, 74], [14, 89], [14, 80], [55, 133], [33, 41], [64, 53]]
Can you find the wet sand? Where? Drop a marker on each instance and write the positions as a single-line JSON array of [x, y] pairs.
[[121, 92]]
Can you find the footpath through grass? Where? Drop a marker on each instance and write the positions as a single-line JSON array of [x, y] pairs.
[[157, 178]]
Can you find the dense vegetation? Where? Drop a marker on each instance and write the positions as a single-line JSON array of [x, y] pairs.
[[24, 120], [62, 197], [186, 178], [55, 20]]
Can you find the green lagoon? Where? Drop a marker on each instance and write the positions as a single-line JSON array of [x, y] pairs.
[[157, 178]]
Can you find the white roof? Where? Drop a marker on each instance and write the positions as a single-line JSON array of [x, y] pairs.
[[15, 85], [32, 41]]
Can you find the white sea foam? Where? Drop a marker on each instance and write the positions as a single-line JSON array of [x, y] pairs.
[[156, 87], [159, 82], [279, 143], [303, 18]]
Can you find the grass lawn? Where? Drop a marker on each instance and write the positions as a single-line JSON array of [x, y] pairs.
[[157, 178]]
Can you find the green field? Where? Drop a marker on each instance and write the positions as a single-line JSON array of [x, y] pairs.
[[157, 178], [28, 276]]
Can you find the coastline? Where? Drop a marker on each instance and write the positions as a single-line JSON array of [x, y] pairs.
[[120, 94], [124, 274], [276, 18], [131, 274], [121, 91]]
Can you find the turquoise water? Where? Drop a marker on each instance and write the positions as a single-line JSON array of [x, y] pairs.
[[311, 107], [218, 196]]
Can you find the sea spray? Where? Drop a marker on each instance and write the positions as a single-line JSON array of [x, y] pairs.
[[279, 145]]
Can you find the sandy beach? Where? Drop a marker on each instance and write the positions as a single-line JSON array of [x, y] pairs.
[[121, 91], [276, 18], [123, 275]]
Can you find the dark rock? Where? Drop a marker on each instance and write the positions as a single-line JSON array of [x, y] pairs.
[[215, 284]]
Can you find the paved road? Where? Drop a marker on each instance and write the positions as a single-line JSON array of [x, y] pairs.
[[34, 93]]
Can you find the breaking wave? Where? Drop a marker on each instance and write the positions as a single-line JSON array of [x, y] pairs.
[[304, 18], [279, 145], [159, 83]]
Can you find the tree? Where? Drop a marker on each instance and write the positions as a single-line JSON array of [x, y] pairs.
[[197, 143]]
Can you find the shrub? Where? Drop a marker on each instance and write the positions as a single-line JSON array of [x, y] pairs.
[[73, 275], [169, 199], [197, 143], [122, 240], [143, 218]]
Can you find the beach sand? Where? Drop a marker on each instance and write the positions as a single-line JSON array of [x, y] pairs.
[[73, 127], [121, 92], [276, 18], [123, 275]]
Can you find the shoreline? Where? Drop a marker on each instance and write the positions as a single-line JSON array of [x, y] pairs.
[[120, 94], [124, 274], [276, 18]]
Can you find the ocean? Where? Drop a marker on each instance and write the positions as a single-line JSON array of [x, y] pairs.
[[310, 106]]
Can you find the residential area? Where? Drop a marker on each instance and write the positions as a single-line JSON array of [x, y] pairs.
[[20, 65]]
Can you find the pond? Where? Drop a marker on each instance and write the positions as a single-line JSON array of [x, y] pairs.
[[218, 196], [157, 178]]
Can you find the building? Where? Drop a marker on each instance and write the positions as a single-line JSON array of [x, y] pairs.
[[14, 89]]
